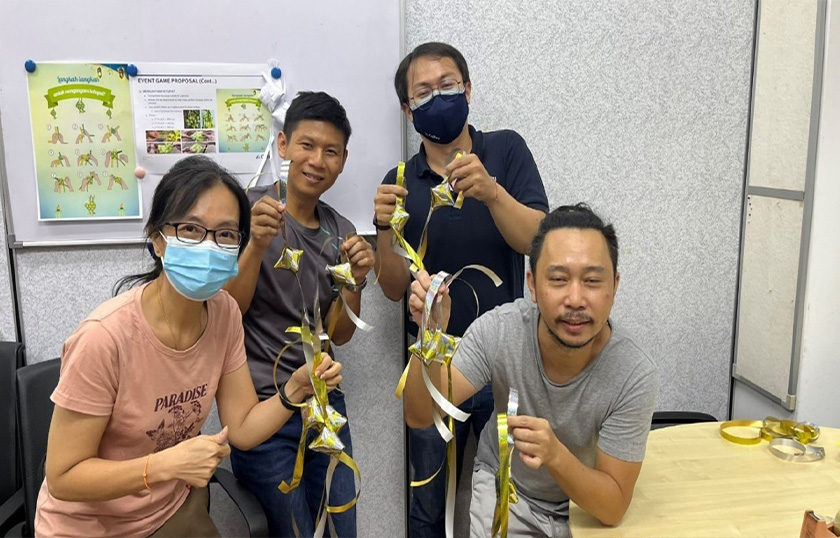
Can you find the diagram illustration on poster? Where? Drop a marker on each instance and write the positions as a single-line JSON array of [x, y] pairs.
[[84, 163], [243, 120]]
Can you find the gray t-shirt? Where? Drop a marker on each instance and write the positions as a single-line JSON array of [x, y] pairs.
[[277, 299], [608, 405]]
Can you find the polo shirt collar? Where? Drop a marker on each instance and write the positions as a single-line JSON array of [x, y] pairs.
[[422, 168]]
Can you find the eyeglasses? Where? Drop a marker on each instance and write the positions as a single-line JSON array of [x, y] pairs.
[[448, 89], [188, 232]]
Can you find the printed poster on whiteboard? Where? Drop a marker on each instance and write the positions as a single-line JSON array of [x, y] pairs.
[[83, 142], [211, 109]]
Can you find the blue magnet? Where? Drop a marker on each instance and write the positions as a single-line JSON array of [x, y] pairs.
[[29, 65], [131, 70], [275, 72]]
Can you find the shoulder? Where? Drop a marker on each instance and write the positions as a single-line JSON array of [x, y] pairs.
[[226, 306], [504, 138], [632, 356], [508, 316], [391, 177], [115, 314], [255, 193]]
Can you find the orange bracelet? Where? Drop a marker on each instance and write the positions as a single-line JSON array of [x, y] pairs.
[[146, 472]]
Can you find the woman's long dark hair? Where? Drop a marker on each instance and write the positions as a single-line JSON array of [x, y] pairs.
[[176, 193]]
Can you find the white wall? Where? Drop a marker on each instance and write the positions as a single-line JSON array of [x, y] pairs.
[[819, 367]]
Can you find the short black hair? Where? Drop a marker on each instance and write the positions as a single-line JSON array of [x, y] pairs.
[[316, 106], [578, 216], [177, 192], [435, 50]]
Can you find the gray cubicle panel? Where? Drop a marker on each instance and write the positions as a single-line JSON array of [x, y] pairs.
[[639, 108], [777, 209]]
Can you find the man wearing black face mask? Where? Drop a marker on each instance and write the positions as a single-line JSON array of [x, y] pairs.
[[504, 203]]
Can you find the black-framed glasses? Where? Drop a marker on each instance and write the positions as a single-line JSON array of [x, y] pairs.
[[448, 89], [191, 233]]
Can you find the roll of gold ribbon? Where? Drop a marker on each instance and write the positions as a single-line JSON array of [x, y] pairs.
[[768, 429]]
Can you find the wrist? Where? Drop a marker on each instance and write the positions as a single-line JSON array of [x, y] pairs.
[[156, 469], [380, 227], [292, 392], [492, 201], [554, 464], [356, 288]]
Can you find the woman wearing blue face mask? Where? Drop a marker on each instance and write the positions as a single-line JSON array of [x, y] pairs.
[[139, 375]]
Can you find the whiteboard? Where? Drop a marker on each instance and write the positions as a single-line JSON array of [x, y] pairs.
[[348, 49]]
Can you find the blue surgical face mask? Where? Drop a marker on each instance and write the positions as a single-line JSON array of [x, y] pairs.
[[198, 271], [444, 120]]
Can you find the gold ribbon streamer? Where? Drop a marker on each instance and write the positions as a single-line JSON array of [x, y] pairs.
[[768, 429], [316, 413], [505, 488], [433, 344]]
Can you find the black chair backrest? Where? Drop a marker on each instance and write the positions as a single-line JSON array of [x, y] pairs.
[[663, 419], [35, 383], [11, 358]]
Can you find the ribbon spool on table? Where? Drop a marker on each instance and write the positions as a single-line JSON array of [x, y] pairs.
[[781, 433]]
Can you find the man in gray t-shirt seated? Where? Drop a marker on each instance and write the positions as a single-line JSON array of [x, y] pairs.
[[586, 390]]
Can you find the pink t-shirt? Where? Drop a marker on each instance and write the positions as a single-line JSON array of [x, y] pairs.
[[113, 365]]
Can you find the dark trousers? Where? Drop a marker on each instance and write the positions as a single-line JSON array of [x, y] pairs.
[[264, 467]]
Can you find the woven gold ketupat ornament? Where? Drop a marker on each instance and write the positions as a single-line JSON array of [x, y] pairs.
[[289, 259], [342, 274], [319, 416]]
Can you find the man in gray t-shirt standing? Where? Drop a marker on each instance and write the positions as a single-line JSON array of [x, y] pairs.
[[586, 390], [314, 139]]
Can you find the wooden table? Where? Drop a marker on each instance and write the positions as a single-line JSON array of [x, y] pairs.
[[694, 483]]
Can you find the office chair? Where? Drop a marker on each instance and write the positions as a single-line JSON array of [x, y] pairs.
[[35, 384], [11, 358], [663, 419]]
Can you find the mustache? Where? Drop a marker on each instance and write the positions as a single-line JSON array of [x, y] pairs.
[[574, 317]]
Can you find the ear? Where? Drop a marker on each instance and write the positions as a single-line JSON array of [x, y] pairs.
[[343, 161], [281, 144], [407, 111], [617, 280], [158, 244], [529, 276], [468, 91]]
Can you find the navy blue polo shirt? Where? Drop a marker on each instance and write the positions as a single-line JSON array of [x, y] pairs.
[[460, 237]]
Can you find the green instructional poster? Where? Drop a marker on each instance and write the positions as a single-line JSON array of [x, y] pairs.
[[83, 141], [243, 121]]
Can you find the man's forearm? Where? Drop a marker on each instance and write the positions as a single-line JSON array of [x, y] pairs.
[[516, 222], [394, 277], [242, 287], [593, 490]]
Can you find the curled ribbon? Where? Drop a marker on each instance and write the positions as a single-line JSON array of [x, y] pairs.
[[433, 344], [768, 429], [505, 488], [316, 413]]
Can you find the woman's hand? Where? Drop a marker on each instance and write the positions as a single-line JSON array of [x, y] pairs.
[[299, 386], [194, 461]]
